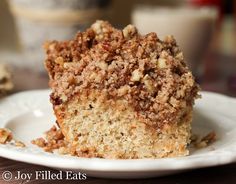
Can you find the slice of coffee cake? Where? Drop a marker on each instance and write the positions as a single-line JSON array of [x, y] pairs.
[[117, 94]]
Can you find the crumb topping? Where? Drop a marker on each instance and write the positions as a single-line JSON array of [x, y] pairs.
[[149, 73]]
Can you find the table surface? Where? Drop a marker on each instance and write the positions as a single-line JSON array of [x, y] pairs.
[[214, 80]]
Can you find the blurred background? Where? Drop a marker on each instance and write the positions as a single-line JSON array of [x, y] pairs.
[[204, 29]]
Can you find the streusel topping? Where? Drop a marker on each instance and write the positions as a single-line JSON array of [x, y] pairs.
[[149, 73]]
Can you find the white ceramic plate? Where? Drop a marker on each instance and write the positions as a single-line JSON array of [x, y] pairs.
[[29, 114]]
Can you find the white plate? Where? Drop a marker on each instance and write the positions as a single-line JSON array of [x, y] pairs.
[[29, 114]]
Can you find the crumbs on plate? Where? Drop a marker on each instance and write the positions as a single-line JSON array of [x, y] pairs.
[[6, 136], [54, 141], [203, 142]]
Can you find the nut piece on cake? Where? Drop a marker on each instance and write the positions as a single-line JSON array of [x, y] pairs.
[[117, 94]]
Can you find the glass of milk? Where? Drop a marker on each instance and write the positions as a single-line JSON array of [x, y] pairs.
[[192, 28]]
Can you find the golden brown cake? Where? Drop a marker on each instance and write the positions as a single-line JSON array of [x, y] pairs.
[[117, 94]]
